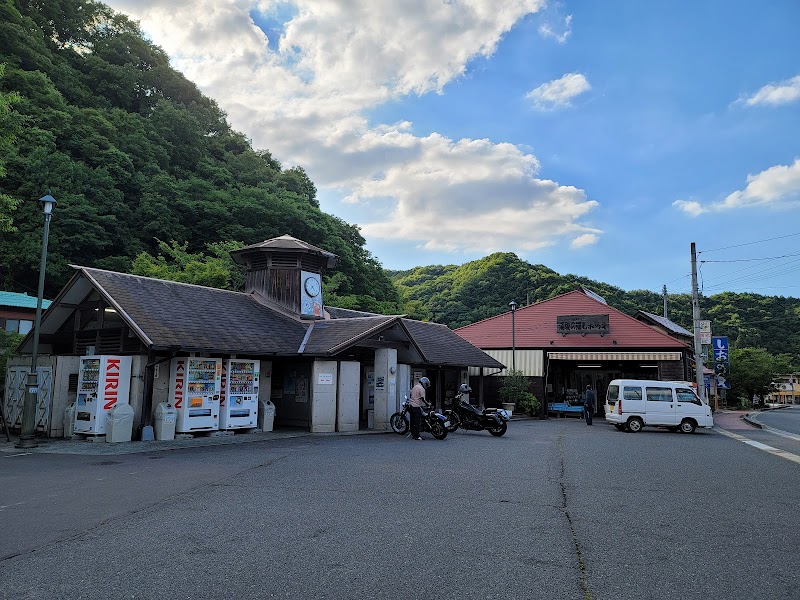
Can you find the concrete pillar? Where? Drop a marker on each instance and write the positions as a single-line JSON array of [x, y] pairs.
[[323, 396], [385, 386]]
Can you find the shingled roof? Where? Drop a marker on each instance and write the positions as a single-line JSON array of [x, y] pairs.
[[442, 346], [170, 314]]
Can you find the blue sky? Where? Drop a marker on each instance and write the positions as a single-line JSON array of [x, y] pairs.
[[596, 138]]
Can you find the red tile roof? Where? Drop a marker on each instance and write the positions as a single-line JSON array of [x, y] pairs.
[[535, 327]]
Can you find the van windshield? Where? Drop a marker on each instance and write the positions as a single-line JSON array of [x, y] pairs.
[[687, 395], [612, 394]]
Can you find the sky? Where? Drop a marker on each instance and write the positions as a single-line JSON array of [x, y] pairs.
[[596, 138]]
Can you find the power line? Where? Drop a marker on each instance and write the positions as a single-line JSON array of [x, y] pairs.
[[781, 237]]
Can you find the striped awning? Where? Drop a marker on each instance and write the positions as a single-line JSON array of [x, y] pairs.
[[614, 356]]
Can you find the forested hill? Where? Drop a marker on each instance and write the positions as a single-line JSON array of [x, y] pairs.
[[134, 153], [460, 295]]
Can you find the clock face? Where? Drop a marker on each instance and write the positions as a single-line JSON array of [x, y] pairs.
[[311, 286]]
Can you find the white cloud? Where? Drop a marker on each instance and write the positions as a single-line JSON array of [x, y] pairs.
[[307, 103], [546, 31], [777, 93], [777, 187], [560, 92]]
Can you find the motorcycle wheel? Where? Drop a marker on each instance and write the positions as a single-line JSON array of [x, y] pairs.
[[499, 430], [398, 423], [455, 421], [438, 430]]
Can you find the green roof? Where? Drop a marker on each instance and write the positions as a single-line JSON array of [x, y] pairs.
[[21, 300]]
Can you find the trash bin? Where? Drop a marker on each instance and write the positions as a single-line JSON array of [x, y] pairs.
[[166, 417], [119, 424], [266, 415], [69, 421]]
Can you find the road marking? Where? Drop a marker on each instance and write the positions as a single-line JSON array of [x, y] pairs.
[[774, 451], [21, 454]]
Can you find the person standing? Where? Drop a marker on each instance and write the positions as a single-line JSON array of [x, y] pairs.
[[588, 404], [416, 403]]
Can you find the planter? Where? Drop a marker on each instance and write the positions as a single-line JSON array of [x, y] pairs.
[[509, 407]]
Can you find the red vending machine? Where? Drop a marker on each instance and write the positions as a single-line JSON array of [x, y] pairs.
[[239, 403], [194, 385]]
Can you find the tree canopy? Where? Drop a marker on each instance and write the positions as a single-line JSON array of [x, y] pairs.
[[140, 162]]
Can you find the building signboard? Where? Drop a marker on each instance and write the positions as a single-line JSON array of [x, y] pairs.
[[582, 324]]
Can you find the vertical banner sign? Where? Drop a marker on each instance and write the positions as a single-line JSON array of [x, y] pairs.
[[705, 332], [721, 361]]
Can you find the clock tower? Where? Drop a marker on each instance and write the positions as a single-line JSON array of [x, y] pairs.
[[287, 272]]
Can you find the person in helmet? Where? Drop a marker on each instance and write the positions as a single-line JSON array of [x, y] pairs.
[[416, 404]]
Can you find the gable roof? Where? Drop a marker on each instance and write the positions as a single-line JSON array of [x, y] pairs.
[[535, 327], [442, 346], [335, 335], [173, 315], [17, 300], [169, 315]]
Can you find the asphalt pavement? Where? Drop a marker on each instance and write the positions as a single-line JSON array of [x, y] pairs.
[[554, 509]]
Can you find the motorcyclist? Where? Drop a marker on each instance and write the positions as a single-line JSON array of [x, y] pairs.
[[416, 403]]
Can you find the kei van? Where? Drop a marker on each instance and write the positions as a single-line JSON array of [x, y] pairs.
[[634, 403]]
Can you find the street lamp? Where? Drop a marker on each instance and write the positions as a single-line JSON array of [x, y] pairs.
[[27, 436], [513, 306]]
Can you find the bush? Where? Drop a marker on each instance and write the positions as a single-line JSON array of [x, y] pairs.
[[529, 404], [514, 388]]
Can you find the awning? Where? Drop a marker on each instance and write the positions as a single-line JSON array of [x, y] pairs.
[[614, 356]]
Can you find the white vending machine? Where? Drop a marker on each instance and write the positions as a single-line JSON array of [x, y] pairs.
[[239, 404], [194, 385], [103, 382]]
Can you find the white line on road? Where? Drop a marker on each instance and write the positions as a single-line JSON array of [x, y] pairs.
[[775, 451]]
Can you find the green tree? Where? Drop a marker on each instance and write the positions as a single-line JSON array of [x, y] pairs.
[[753, 371], [9, 127], [174, 263]]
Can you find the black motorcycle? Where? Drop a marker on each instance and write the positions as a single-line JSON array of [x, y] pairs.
[[432, 422], [466, 416]]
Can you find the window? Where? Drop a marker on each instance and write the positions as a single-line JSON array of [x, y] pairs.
[[612, 394], [659, 394], [631, 393], [17, 326], [687, 395]]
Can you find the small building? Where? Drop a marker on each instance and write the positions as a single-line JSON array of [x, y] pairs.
[[325, 369], [18, 312], [576, 340]]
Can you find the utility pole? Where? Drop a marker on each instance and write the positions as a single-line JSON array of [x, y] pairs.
[[664, 293], [698, 349]]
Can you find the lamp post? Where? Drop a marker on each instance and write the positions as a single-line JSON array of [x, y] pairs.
[[27, 435], [513, 306]]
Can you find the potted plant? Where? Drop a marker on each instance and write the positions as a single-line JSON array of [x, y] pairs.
[[514, 391]]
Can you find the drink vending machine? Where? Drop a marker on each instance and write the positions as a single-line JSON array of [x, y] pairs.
[[103, 382], [239, 403], [194, 385]]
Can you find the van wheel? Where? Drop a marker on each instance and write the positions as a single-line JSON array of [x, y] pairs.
[[687, 426], [635, 425]]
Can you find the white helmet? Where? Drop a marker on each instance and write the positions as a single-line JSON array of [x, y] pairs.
[[464, 388], [426, 383]]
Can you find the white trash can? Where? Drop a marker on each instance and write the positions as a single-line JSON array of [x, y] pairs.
[[69, 421], [119, 424], [166, 417], [266, 415]]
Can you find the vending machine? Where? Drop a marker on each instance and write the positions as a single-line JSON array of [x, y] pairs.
[[103, 382], [239, 403], [194, 385]]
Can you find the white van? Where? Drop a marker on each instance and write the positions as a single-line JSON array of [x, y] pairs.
[[633, 403]]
